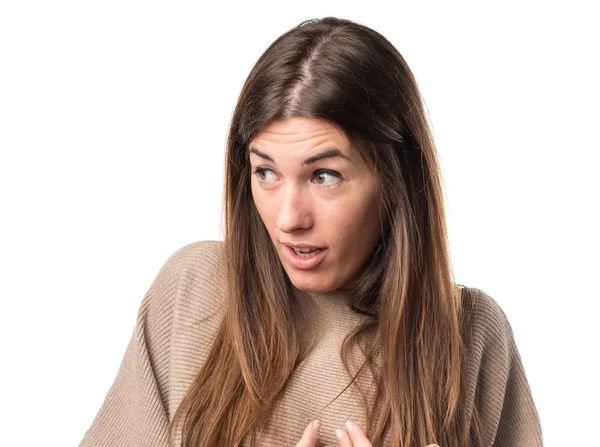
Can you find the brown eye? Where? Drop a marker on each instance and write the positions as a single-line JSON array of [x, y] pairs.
[[263, 175], [326, 177]]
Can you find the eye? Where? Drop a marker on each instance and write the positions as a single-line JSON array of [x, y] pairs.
[[265, 175], [326, 177]]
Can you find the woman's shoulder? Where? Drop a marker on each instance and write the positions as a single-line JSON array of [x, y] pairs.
[[484, 310], [200, 270], [205, 256], [189, 283], [488, 325], [498, 385], [192, 276], [186, 296]]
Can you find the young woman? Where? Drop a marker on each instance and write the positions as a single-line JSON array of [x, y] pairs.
[[332, 297]]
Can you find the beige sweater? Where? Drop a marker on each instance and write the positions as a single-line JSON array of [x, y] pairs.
[[180, 313]]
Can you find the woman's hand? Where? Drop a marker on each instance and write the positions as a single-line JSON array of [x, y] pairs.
[[352, 436], [310, 437]]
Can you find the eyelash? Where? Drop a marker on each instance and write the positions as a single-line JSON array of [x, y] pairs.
[[262, 170]]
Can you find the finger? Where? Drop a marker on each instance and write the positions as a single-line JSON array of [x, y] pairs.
[[343, 438], [310, 437], [357, 435]]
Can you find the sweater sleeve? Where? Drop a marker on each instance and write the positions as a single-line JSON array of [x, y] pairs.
[[519, 422], [135, 410], [503, 395]]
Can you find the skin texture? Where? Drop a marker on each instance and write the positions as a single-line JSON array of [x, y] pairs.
[[329, 203]]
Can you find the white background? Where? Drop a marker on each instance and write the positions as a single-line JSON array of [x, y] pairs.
[[113, 117]]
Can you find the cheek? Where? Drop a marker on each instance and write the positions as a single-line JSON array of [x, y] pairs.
[[348, 231], [267, 209], [354, 228]]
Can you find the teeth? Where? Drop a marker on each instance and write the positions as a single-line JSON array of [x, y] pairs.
[[306, 252]]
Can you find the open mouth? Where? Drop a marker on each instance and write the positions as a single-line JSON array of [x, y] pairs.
[[304, 258], [306, 252]]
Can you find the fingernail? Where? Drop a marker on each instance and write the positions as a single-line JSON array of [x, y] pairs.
[[316, 425], [338, 434], [349, 425]]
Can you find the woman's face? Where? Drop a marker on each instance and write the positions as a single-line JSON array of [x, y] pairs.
[[313, 192]]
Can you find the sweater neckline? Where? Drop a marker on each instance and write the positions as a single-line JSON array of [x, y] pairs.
[[340, 300]]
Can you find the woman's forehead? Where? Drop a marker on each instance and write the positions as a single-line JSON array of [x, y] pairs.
[[296, 129], [301, 137]]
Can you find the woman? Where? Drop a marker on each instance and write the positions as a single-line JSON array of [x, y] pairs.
[[332, 296]]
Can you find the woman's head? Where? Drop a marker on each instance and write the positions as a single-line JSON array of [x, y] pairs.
[[329, 84]]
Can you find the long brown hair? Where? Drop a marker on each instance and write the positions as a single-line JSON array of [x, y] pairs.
[[353, 77]]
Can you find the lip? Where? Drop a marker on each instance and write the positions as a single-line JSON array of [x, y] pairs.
[[303, 263]]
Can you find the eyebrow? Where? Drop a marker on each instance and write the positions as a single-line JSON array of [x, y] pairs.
[[329, 153]]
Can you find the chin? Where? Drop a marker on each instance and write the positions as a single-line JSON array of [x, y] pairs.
[[309, 282]]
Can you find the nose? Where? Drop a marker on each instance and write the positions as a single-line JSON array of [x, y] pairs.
[[294, 209]]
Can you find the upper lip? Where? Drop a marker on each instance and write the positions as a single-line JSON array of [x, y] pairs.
[[299, 245]]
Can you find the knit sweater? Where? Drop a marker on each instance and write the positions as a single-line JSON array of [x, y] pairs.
[[180, 313]]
